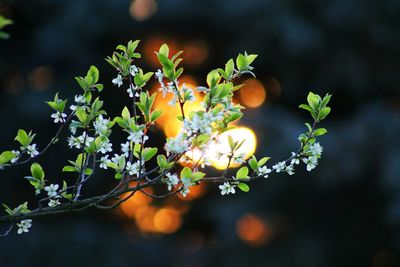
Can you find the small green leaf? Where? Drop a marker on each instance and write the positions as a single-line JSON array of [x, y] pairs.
[[22, 137], [253, 163], [320, 131], [242, 173], [244, 187], [37, 171], [69, 169], [197, 176], [186, 173], [262, 161], [149, 152]]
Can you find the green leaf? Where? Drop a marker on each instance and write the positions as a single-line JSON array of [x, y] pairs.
[[229, 67], [320, 131], [262, 161], [22, 137], [37, 171], [241, 62], [149, 152], [164, 50], [6, 156], [244, 187], [306, 107], [155, 115], [242, 173], [253, 163], [313, 100], [197, 176], [125, 113], [186, 173], [94, 73], [213, 78], [162, 162], [69, 169], [323, 113]]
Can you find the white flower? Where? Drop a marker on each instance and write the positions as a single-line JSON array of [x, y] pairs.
[[105, 147], [289, 169], [101, 125], [118, 80], [227, 188], [133, 70], [32, 151], [125, 148], [104, 161], [80, 100], [264, 171], [58, 117], [159, 75], [133, 169], [295, 159], [238, 159], [131, 90], [16, 156], [184, 191], [72, 126], [280, 166], [177, 145], [316, 149], [84, 137], [54, 202], [51, 190], [23, 226], [311, 162], [171, 180], [117, 158], [187, 182], [190, 96], [136, 136]]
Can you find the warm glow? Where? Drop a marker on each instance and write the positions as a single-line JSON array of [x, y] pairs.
[[135, 202], [253, 230], [238, 134], [40, 78], [167, 220], [144, 218], [196, 52], [196, 191], [152, 45], [168, 121], [252, 94], [141, 10]]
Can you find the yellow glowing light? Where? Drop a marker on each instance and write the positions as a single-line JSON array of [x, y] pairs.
[[167, 220], [253, 230], [168, 121], [252, 94], [141, 10], [238, 134]]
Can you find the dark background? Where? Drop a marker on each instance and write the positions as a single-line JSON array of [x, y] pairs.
[[345, 213]]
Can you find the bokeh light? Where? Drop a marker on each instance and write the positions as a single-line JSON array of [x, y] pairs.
[[167, 220], [252, 94], [238, 134], [142, 10], [253, 230], [40, 78]]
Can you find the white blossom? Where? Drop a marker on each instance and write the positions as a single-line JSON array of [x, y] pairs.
[[316, 149], [53, 202], [280, 166], [117, 158], [80, 100], [133, 70], [23, 226], [104, 162], [51, 190], [136, 136], [171, 180], [264, 171], [184, 191], [58, 117], [311, 162], [125, 148], [16, 156], [133, 91], [295, 159], [32, 151], [159, 75], [118, 80], [177, 145], [289, 169], [186, 89], [239, 158], [227, 188], [105, 147], [101, 125], [133, 169]]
